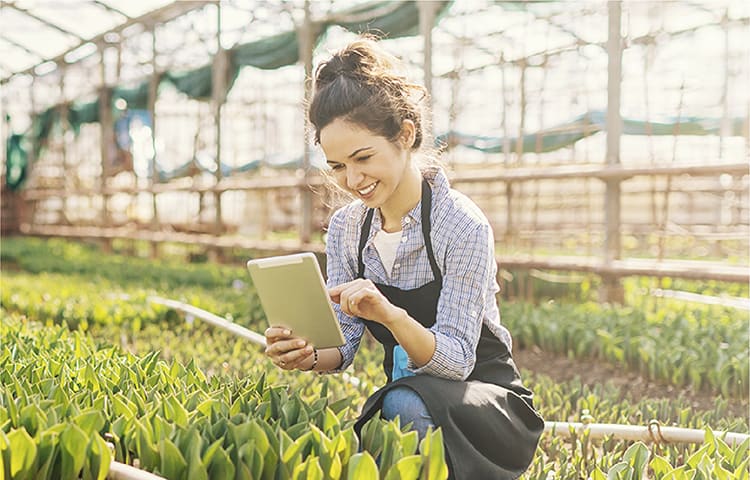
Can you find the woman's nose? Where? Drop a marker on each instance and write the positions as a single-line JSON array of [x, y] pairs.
[[353, 177]]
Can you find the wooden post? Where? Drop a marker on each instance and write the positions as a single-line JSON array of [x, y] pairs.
[[522, 120], [64, 127], [611, 287], [510, 228], [725, 127], [219, 82], [306, 40], [153, 87], [427, 11], [107, 140]]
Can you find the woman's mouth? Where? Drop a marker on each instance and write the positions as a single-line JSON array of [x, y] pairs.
[[367, 191]]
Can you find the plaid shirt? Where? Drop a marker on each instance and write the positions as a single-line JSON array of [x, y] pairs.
[[464, 249]]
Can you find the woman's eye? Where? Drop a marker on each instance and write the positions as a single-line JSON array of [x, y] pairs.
[[337, 166], [362, 159]]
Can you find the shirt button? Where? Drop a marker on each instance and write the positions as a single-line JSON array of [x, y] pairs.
[[396, 265], [407, 220], [403, 239]]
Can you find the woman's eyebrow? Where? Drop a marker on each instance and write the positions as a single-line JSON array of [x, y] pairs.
[[357, 151]]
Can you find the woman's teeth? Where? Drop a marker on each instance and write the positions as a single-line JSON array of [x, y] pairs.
[[368, 190]]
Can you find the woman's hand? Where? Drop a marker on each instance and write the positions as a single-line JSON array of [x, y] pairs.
[[361, 298], [285, 350]]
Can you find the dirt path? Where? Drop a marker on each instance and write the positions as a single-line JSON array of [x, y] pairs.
[[593, 372]]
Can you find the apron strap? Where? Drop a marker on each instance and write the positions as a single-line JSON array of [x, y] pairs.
[[363, 235], [426, 228]]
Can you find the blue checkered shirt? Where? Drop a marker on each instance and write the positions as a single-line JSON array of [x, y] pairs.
[[464, 249]]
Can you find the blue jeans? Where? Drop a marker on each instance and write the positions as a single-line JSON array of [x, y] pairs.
[[408, 405]]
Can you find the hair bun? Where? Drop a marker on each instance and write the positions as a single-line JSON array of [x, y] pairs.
[[360, 83], [362, 60]]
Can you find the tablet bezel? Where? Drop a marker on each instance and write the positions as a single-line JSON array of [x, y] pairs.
[[281, 279]]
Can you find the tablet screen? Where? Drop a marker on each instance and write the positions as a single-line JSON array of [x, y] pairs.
[[293, 295]]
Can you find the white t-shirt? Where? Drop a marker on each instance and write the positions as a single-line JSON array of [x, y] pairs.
[[387, 244]]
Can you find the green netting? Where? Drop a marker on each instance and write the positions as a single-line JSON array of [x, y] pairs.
[[269, 53], [394, 22], [80, 113], [41, 127], [136, 97], [585, 125], [193, 83], [17, 162], [387, 19]]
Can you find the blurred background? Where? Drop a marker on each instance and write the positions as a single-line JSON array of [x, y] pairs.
[[602, 139], [153, 146]]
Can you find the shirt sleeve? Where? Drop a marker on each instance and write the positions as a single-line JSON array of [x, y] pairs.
[[339, 271], [469, 272]]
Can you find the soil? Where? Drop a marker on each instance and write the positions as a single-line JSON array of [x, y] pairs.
[[632, 385]]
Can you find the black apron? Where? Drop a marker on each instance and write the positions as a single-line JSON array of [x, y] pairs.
[[490, 428]]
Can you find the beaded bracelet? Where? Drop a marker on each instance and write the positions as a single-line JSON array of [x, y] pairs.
[[315, 360]]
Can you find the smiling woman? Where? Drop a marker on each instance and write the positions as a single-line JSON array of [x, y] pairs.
[[412, 261]]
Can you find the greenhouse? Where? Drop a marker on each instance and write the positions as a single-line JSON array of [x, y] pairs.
[[154, 147]]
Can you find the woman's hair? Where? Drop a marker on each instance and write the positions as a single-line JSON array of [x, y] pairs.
[[360, 84]]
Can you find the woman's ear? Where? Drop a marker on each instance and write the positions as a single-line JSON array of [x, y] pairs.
[[408, 134]]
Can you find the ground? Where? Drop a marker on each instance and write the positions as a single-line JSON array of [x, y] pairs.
[[632, 385]]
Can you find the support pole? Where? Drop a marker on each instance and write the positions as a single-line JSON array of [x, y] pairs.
[[306, 35], [64, 127], [725, 127], [153, 87], [427, 11], [611, 287], [107, 140], [219, 93]]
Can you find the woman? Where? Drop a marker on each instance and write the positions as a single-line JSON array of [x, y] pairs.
[[412, 261]]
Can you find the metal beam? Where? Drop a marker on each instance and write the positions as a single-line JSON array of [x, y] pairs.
[[44, 21], [22, 47], [160, 15], [111, 9]]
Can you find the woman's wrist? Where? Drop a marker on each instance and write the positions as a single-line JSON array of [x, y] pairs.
[[314, 362], [397, 315]]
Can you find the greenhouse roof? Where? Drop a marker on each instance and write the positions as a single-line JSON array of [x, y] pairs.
[[37, 35]]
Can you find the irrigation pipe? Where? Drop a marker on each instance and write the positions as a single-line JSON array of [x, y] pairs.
[[217, 321], [652, 433], [122, 471], [725, 301], [209, 317]]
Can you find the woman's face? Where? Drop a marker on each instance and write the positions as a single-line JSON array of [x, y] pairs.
[[368, 166]]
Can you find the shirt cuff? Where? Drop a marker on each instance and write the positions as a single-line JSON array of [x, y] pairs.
[[441, 364]]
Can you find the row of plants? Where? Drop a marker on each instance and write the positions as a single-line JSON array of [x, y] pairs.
[[79, 302], [59, 391], [703, 346], [37, 255], [151, 410]]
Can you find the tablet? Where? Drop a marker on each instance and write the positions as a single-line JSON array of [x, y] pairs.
[[293, 295]]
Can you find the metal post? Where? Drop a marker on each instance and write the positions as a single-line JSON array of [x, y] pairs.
[[306, 41], [612, 290], [153, 87], [107, 136], [64, 127], [427, 11], [725, 127], [219, 92]]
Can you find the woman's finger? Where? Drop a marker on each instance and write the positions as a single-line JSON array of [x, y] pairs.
[[277, 333], [292, 359]]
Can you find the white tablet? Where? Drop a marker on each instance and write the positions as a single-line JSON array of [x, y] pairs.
[[293, 295]]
